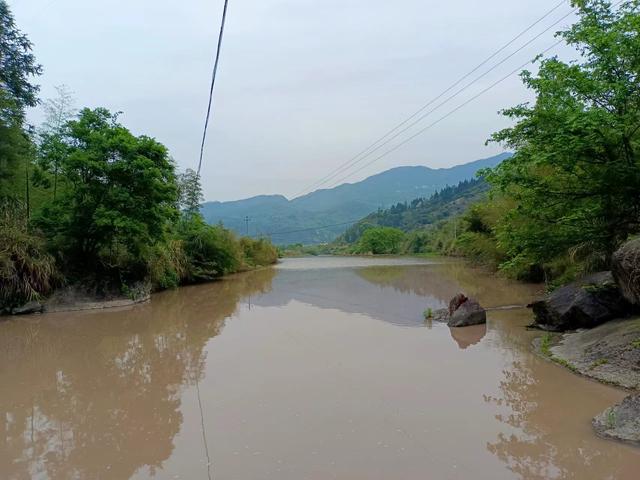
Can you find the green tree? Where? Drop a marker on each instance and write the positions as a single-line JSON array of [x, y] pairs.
[[190, 192], [17, 68], [120, 199], [381, 241], [51, 149], [575, 176]]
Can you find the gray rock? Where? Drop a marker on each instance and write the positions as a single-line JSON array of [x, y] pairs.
[[28, 308], [441, 315], [609, 353], [620, 422], [468, 313], [625, 267], [586, 303]]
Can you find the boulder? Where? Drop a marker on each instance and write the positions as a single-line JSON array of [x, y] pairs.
[[625, 267], [468, 313], [28, 308], [620, 422], [462, 312], [586, 303]]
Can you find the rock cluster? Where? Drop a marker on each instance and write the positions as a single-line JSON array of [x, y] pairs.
[[586, 303], [462, 312]]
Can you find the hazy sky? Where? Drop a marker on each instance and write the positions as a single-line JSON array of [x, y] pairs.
[[303, 85]]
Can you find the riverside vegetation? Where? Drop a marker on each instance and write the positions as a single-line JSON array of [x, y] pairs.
[[83, 201], [568, 198]]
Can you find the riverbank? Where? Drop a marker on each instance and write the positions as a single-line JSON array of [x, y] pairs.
[[75, 299]]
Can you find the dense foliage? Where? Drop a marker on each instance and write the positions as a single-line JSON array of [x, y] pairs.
[[420, 212], [83, 200], [569, 196], [575, 177], [380, 241]]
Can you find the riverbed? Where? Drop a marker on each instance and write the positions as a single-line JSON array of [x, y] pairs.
[[318, 368]]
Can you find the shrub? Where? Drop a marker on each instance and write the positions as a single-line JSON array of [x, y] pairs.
[[381, 241], [27, 271], [211, 251], [258, 253]]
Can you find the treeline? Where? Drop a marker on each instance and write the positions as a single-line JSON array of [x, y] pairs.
[[570, 196], [84, 201], [420, 212]]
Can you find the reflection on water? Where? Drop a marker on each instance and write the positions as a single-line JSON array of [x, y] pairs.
[[468, 336], [311, 378]]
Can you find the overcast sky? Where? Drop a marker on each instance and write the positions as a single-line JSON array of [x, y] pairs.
[[303, 85]]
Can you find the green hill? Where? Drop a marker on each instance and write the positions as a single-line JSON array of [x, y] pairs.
[[321, 216], [420, 212]]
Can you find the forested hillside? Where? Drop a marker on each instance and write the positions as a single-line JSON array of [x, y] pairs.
[[307, 217], [420, 212]]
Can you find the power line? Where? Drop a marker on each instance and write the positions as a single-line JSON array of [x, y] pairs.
[[311, 229], [464, 104], [428, 127], [213, 82], [368, 151]]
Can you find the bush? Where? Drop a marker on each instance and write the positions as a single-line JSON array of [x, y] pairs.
[[27, 271], [258, 253], [381, 241], [211, 251], [167, 264]]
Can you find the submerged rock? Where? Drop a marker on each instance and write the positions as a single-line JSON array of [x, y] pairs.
[[620, 422], [462, 312], [586, 303], [441, 315], [625, 266], [28, 308]]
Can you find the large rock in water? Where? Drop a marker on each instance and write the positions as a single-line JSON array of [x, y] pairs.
[[585, 303], [625, 266], [620, 422], [462, 312]]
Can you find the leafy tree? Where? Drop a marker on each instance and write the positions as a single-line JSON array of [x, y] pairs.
[[17, 62], [120, 200], [58, 111], [190, 192], [17, 67], [575, 176], [380, 241]]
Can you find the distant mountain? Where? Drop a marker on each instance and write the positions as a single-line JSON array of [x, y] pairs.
[[420, 212], [321, 215]]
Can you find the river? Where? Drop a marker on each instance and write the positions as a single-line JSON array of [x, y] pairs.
[[318, 368]]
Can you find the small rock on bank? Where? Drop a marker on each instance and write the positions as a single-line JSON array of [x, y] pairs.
[[28, 309], [620, 422], [586, 303]]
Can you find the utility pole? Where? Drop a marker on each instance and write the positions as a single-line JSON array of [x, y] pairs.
[[246, 220]]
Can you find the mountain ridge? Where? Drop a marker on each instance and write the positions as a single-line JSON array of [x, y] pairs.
[[269, 214]]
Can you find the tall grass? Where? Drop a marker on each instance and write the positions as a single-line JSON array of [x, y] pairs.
[[27, 271]]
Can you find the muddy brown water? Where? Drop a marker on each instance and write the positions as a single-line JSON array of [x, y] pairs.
[[319, 368]]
